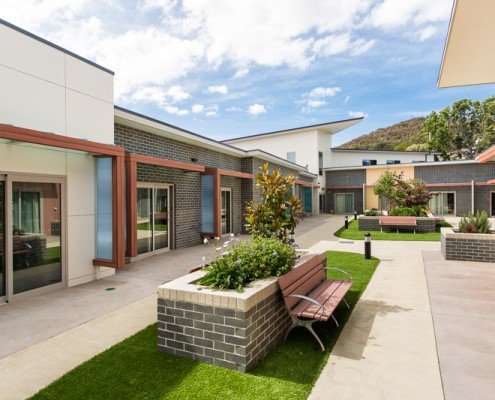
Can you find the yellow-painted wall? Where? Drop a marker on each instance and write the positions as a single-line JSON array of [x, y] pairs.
[[373, 174]]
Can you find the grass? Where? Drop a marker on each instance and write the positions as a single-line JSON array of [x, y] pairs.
[[134, 369], [146, 226], [354, 234]]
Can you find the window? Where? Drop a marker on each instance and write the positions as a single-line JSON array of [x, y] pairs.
[[291, 156], [104, 218], [207, 204], [443, 203], [369, 162], [390, 162], [320, 163]]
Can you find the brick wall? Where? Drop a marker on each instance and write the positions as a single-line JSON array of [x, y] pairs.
[[345, 177], [186, 224], [370, 223], [455, 173], [221, 336], [468, 247], [358, 199]]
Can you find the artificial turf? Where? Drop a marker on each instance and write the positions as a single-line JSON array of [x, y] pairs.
[[134, 369], [353, 233]]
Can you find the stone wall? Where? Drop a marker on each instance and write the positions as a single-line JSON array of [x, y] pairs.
[[467, 246], [229, 329], [424, 224]]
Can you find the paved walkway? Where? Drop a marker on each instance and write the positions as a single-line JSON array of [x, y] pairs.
[[387, 348], [462, 299]]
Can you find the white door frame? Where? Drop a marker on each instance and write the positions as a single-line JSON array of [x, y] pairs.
[[226, 189], [9, 178], [168, 186]]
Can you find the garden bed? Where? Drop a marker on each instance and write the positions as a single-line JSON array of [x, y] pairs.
[[468, 246], [424, 224]]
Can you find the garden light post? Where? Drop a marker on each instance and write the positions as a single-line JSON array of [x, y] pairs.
[[355, 215], [367, 246], [346, 222]]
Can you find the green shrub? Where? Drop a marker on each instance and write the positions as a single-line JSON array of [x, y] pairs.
[[372, 212], [416, 211], [475, 223], [248, 261]]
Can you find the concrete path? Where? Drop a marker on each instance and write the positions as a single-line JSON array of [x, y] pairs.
[[462, 299], [387, 349]]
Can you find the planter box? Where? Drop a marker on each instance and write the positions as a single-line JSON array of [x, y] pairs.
[[226, 328], [467, 246], [424, 224]]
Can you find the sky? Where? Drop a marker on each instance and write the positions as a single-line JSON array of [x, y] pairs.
[[225, 68]]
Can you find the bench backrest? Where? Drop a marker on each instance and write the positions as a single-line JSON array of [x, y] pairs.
[[302, 279], [398, 220]]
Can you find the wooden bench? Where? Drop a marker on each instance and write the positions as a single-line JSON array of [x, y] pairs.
[[309, 296], [398, 222]]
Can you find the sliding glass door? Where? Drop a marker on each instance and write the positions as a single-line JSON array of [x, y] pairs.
[[443, 203], [153, 206], [3, 281], [344, 203], [226, 211]]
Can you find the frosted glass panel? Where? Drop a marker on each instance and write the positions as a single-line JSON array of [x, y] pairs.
[[207, 204], [104, 232]]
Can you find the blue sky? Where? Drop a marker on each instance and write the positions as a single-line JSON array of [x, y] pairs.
[[226, 68]]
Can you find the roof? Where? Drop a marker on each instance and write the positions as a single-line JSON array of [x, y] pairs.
[[469, 52], [385, 151], [161, 128], [416, 164], [57, 47], [487, 156], [330, 127]]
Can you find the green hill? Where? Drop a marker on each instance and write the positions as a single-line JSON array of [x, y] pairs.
[[396, 137]]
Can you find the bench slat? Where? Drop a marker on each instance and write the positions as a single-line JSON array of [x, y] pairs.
[[298, 272], [397, 221]]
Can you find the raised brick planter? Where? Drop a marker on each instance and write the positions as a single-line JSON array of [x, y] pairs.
[[424, 224], [226, 328], [467, 246]]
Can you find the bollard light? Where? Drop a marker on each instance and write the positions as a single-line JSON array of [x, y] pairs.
[[355, 215], [346, 222], [367, 246]]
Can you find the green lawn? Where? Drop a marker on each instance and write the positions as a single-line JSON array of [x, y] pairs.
[[134, 369], [146, 226], [354, 234]]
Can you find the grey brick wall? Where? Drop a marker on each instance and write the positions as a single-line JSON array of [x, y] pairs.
[[345, 178], [221, 336], [186, 226], [468, 249], [462, 197], [455, 173], [330, 199]]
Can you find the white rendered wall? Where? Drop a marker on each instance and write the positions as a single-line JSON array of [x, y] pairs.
[[355, 159], [48, 90]]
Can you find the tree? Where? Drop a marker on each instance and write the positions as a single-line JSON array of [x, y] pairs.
[[464, 130], [400, 192], [279, 213]]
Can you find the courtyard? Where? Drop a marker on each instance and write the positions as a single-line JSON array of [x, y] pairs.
[[407, 322]]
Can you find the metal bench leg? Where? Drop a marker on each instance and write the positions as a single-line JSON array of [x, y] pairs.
[[295, 322], [310, 328], [346, 303], [335, 320]]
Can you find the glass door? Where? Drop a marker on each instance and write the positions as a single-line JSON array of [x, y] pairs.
[[344, 203], [226, 211], [443, 203], [153, 205]]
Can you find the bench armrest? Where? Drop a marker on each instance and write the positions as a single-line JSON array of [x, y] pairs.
[[340, 270], [300, 296]]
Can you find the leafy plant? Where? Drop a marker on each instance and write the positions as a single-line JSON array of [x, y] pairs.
[[248, 261], [463, 130], [411, 193], [372, 212], [477, 223], [279, 213]]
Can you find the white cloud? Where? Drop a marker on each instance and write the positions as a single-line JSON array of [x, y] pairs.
[[321, 92], [315, 103], [358, 114], [347, 98], [241, 72], [426, 33], [197, 108], [175, 110], [233, 109], [391, 14], [256, 109], [211, 111], [176, 93], [221, 89]]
